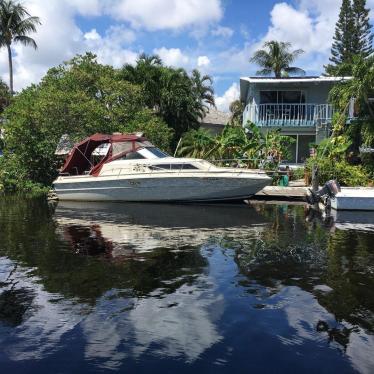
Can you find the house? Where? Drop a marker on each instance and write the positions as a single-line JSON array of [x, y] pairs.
[[214, 121], [298, 106]]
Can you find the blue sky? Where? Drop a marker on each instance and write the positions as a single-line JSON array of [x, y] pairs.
[[216, 36]]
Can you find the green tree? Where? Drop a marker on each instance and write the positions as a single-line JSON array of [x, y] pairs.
[[353, 37], [362, 42], [4, 96], [79, 98], [360, 87], [147, 73], [15, 25], [276, 58], [195, 143], [341, 50], [181, 100]]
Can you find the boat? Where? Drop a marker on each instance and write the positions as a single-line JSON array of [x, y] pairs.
[[354, 198], [127, 167]]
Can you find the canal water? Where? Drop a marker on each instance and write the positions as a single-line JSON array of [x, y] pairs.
[[270, 288]]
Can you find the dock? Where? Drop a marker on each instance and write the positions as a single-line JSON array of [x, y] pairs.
[[295, 191]]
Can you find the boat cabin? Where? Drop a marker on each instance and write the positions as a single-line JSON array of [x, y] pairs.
[[89, 156]]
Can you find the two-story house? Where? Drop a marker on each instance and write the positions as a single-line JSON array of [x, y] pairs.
[[298, 106]]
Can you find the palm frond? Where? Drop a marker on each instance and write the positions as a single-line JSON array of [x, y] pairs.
[[26, 41]]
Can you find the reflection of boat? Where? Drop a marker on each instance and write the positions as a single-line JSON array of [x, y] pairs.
[[134, 170], [123, 229], [353, 220]]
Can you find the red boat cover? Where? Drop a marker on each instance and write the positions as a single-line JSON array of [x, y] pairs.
[[79, 161]]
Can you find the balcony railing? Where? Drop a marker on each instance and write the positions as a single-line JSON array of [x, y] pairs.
[[288, 114]]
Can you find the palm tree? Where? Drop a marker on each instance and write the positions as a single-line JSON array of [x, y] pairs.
[[276, 58], [15, 24], [202, 87]]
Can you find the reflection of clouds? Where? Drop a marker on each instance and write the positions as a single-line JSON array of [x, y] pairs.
[[44, 323], [179, 324], [174, 325], [303, 313]]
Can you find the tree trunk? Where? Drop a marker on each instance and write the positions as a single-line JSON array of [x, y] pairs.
[[10, 69]]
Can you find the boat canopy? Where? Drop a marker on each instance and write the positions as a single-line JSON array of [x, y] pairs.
[[80, 161]]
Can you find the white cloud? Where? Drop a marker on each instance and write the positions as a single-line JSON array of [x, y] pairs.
[[111, 49], [203, 61], [172, 56], [223, 102], [166, 14], [86, 7], [309, 25], [92, 35], [59, 38], [224, 32]]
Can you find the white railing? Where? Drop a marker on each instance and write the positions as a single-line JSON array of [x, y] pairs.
[[288, 114]]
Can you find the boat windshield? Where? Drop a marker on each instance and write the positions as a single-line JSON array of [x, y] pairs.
[[158, 153]]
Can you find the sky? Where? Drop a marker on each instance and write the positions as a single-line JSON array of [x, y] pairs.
[[216, 36]]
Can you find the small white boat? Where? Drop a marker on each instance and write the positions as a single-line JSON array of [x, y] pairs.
[[132, 169], [354, 198]]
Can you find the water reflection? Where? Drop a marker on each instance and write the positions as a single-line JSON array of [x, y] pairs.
[[191, 288], [117, 230]]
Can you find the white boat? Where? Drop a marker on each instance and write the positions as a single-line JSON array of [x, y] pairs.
[[354, 198], [135, 170]]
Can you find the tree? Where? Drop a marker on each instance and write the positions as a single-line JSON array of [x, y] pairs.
[[360, 87], [352, 37], [276, 58], [147, 73], [15, 24], [196, 143], [79, 98], [4, 96], [362, 43], [180, 99]]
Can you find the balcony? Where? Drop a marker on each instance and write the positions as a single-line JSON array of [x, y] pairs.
[[288, 115]]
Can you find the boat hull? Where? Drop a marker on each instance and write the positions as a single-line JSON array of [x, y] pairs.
[[351, 198], [159, 189]]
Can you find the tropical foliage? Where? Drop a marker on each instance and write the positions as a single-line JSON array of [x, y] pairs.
[[15, 25], [180, 99], [276, 58], [250, 147], [79, 98]]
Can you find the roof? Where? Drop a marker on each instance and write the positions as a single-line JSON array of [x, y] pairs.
[[245, 82], [216, 117], [316, 79]]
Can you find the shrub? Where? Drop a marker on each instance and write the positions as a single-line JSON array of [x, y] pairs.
[[344, 173]]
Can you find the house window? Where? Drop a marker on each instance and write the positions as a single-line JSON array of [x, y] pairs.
[[282, 97]]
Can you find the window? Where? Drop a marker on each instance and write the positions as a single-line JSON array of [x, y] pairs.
[[282, 97], [173, 167], [157, 152], [131, 156]]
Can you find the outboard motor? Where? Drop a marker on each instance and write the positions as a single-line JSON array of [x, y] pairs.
[[328, 191]]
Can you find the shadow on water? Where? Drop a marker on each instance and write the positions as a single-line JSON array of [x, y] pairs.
[[185, 287]]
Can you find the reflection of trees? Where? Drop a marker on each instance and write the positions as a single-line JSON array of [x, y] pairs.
[[28, 236], [295, 252]]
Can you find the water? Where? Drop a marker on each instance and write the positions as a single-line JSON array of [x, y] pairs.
[[181, 289]]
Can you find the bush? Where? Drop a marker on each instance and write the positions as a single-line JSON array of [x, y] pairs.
[[344, 173]]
